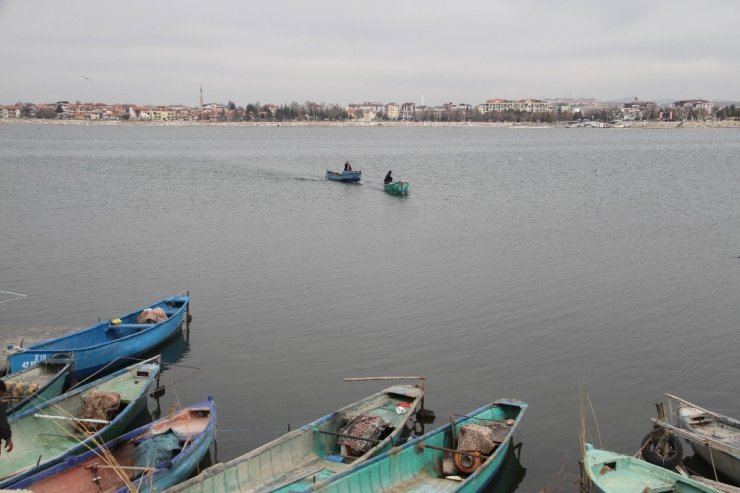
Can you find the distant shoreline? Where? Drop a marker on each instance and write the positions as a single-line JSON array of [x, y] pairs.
[[388, 124]]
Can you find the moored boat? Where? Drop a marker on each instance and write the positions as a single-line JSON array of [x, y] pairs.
[[609, 472], [346, 175], [76, 420], [713, 436], [151, 458], [397, 187], [37, 384], [318, 450], [463, 458], [108, 344]]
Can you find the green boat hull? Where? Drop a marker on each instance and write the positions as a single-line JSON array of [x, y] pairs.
[[397, 188], [615, 473], [300, 458], [47, 378], [417, 465]]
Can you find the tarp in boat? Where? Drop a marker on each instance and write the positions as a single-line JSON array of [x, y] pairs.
[[157, 449]]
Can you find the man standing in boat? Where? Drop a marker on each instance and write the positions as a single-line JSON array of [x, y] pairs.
[[347, 166], [388, 178], [5, 431]]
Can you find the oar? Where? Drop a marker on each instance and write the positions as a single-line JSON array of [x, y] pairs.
[[70, 418]]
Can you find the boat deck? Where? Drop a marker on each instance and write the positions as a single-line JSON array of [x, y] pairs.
[[303, 479]]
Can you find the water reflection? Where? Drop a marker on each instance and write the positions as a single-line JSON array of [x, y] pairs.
[[511, 473], [176, 348], [696, 464]]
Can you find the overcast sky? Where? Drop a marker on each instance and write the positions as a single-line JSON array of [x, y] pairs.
[[344, 51]]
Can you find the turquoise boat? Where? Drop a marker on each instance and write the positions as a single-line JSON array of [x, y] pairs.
[[148, 459], [397, 187], [77, 420], [615, 473], [316, 451], [438, 461], [37, 384], [110, 344]]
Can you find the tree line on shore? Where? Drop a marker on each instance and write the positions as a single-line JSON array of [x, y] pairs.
[[310, 111]]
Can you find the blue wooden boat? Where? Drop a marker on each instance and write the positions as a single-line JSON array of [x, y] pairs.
[[347, 176], [318, 450], [438, 460], [615, 473], [150, 458], [76, 420], [37, 384], [107, 344]]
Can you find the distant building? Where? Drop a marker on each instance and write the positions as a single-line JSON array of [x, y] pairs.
[[694, 104], [529, 105], [408, 110]]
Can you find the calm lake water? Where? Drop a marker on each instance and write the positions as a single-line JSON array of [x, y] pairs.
[[524, 263]]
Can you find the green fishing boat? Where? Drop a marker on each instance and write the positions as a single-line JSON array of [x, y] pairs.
[[463, 458], [318, 450], [37, 384], [615, 473], [397, 187], [74, 421]]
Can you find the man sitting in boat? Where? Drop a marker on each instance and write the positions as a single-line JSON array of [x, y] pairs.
[[388, 178], [347, 166]]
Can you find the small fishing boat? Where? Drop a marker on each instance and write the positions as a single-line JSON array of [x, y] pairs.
[[346, 175], [37, 384], [615, 473], [397, 187], [76, 420], [463, 457], [318, 450], [713, 436], [108, 344], [150, 458]]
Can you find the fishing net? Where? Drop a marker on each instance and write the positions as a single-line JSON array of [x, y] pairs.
[[151, 316], [99, 405], [19, 390], [476, 438], [362, 426]]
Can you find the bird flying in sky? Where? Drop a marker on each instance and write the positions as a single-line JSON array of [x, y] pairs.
[[88, 78]]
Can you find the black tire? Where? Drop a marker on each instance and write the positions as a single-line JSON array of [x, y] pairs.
[[652, 456]]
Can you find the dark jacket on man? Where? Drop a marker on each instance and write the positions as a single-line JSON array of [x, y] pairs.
[[5, 432]]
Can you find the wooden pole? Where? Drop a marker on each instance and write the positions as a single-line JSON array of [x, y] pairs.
[[353, 437], [364, 379], [71, 418], [450, 450]]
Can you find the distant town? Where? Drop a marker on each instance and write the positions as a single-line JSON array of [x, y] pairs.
[[527, 110]]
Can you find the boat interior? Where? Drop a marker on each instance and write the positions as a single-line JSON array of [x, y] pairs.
[[128, 458]]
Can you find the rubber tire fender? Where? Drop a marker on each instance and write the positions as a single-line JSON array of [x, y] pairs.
[[652, 456]]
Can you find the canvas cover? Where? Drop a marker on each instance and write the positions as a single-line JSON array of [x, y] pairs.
[[157, 449]]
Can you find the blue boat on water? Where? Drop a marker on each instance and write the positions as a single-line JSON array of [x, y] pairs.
[[346, 175], [151, 458], [452, 458], [108, 344]]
